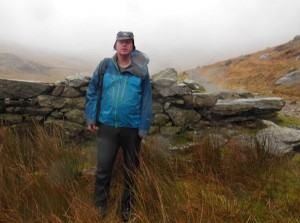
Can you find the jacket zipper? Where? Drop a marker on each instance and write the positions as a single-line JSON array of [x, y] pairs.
[[117, 97]]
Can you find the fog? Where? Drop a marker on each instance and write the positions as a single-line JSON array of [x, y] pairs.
[[173, 33]]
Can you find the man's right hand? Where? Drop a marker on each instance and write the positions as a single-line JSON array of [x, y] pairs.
[[91, 127]]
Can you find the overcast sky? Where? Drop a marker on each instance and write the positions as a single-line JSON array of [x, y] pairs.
[[174, 33]]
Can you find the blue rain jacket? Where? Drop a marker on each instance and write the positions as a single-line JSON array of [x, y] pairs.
[[126, 99]]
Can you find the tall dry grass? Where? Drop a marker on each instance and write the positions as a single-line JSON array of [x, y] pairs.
[[239, 183], [39, 175], [42, 181]]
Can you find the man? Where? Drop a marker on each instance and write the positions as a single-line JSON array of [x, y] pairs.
[[124, 116]]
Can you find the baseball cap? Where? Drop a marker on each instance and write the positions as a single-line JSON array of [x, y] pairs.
[[124, 35]]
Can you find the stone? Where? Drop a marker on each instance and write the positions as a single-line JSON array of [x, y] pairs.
[[175, 90], [278, 139], [70, 92], [200, 100], [161, 119], [180, 116], [194, 85], [2, 106], [78, 102], [164, 78], [83, 89], [296, 38], [153, 130], [36, 118], [290, 78], [76, 115], [264, 56], [11, 102], [60, 102], [171, 130], [11, 119], [234, 94], [281, 47], [38, 111], [78, 80], [58, 90], [16, 110], [15, 89], [53, 102], [167, 105], [57, 115], [156, 107], [245, 107]]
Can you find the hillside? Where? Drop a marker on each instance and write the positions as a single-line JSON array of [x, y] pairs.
[[257, 72], [18, 62]]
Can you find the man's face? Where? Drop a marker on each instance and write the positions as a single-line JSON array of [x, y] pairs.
[[124, 47]]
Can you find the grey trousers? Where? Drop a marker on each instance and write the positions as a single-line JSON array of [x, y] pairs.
[[109, 141]]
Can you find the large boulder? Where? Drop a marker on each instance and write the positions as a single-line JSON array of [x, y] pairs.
[[164, 78], [247, 107], [15, 89], [278, 139], [290, 78]]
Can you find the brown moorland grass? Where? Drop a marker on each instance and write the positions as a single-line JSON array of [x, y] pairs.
[[42, 181]]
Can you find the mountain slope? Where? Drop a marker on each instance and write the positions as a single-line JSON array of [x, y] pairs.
[[257, 72], [17, 62]]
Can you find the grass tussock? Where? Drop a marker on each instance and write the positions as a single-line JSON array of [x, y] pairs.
[[42, 181]]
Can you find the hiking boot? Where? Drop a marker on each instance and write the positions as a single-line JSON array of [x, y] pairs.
[[125, 214], [102, 211]]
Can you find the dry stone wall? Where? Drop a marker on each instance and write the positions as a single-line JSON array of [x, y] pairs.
[[177, 107]]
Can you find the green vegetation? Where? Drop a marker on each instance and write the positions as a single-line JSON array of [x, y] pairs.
[[284, 120], [43, 179]]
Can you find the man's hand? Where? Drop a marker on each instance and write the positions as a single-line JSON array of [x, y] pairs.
[[91, 127]]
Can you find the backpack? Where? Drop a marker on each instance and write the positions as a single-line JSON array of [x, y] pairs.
[[101, 74]]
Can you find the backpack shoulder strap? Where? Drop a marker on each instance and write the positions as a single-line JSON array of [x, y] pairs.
[[102, 69]]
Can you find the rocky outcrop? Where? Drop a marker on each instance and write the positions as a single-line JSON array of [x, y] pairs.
[[177, 107], [278, 139], [289, 78]]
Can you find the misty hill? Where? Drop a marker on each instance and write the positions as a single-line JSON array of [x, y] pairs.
[[258, 72], [12, 63], [18, 62]]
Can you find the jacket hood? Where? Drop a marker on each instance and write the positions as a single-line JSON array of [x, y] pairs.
[[139, 63], [139, 58]]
